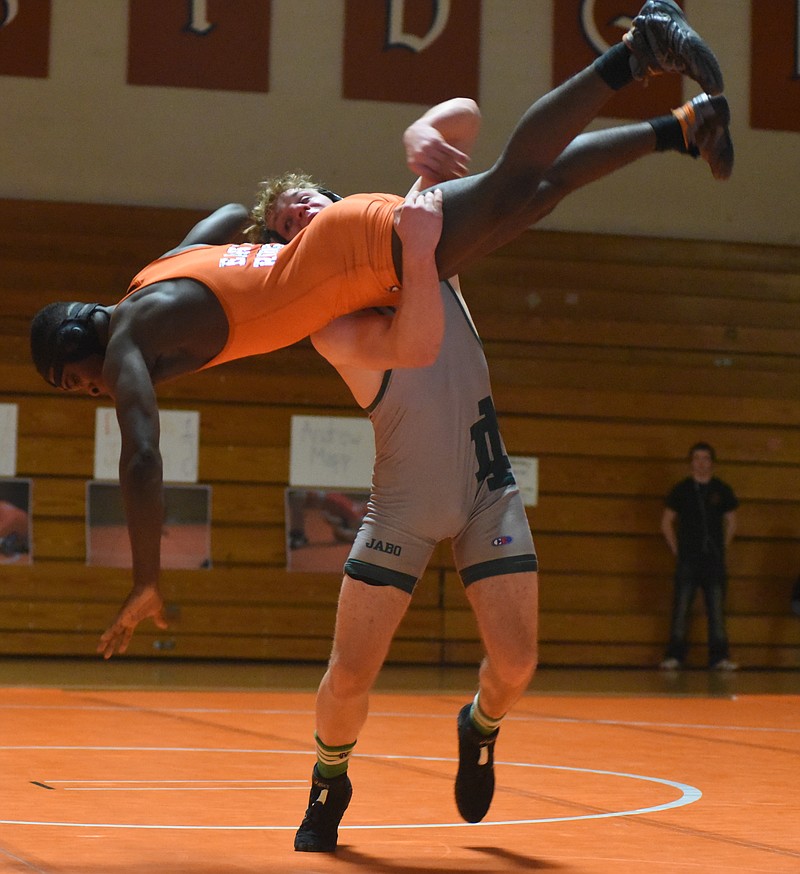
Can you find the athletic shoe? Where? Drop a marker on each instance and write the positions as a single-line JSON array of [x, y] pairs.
[[724, 665], [670, 664], [297, 540], [661, 41], [475, 777], [704, 121], [327, 802]]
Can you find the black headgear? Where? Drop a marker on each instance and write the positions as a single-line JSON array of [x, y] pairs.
[[75, 339], [328, 193], [274, 237]]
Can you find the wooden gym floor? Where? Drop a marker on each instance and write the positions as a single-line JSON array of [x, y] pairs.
[[186, 768]]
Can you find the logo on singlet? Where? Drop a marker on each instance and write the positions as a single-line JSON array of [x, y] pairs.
[[380, 546], [502, 541], [237, 255], [494, 468]]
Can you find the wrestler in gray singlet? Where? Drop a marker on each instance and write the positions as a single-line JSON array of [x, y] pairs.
[[441, 470]]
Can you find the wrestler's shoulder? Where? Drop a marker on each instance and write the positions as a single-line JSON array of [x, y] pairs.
[[370, 197]]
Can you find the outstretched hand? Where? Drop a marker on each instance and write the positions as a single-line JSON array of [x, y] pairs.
[[430, 156], [418, 221], [139, 605]]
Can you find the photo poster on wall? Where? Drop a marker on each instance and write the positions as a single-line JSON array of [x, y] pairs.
[[330, 474], [8, 439], [16, 533], [179, 444], [321, 525], [185, 534]]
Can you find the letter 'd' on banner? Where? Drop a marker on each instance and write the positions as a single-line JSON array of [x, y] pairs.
[[411, 51], [25, 38]]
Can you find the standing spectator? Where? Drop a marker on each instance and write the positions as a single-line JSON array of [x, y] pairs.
[[698, 524]]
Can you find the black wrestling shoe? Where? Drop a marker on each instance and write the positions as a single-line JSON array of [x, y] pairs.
[[704, 121], [327, 802], [475, 777], [661, 41]]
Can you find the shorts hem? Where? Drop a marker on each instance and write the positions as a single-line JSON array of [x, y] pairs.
[[375, 575], [514, 564]]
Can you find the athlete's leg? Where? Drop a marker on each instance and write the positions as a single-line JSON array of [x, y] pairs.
[[506, 608], [588, 157], [475, 205], [660, 41], [366, 620], [698, 128]]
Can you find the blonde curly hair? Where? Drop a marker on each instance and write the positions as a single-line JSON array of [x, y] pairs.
[[268, 192]]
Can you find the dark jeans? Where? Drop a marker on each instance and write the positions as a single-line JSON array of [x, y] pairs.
[[707, 573]]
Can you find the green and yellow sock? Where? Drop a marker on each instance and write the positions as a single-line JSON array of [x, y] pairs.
[[486, 725], [332, 761]]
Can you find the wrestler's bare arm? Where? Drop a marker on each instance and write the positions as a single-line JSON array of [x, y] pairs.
[[222, 226], [438, 145], [128, 378]]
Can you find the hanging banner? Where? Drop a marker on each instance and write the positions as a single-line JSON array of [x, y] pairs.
[[583, 30], [775, 65], [25, 38], [213, 44], [411, 51]]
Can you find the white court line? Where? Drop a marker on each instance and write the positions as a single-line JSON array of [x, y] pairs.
[[28, 865], [568, 720], [181, 788], [154, 749], [688, 795], [641, 724], [170, 782], [176, 785]]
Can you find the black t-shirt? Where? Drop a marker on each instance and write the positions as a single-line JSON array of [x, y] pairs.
[[701, 508]]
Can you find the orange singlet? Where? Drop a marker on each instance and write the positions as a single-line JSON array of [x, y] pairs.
[[276, 295]]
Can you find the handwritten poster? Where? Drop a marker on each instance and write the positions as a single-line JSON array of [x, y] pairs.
[[180, 440], [526, 473], [331, 452]]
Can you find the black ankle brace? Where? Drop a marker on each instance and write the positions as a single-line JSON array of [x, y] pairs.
[[669, 134], [614, 67]]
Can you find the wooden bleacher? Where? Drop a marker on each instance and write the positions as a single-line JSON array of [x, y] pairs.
[[610, 356]]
